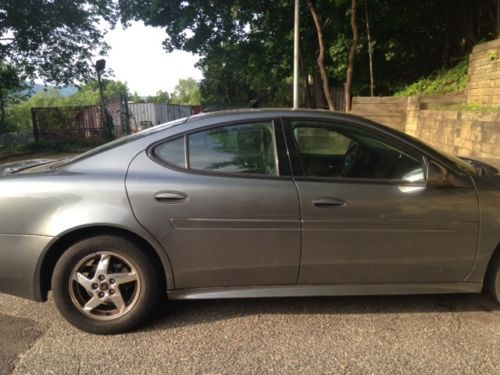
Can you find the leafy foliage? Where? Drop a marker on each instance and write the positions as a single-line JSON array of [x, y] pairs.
[[53, 40], [11, 88], [18, 116], [160, 97], [441, 82], [186, 92], [246, 46]]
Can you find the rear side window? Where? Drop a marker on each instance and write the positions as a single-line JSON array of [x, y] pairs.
[[243, 148], [172, 152]]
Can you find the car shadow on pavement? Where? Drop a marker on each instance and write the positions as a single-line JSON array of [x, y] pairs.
[[178, 314]]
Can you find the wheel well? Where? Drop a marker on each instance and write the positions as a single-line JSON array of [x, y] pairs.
[[489, 269], [62, 244]]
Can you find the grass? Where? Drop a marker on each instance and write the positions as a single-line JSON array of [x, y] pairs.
[[441, 82]]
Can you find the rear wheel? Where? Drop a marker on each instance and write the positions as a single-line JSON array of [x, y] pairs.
[[493, 277], [105, 284]]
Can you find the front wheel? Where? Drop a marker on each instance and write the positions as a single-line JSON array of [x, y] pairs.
[[105, 284]]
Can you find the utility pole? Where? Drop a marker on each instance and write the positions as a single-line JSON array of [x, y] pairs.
[[100, 65], [498, 18], [296, 37]]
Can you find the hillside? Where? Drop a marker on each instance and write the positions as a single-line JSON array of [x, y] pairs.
[[441, 82]]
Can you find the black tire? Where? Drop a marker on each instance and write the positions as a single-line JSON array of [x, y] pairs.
[[493, 278], [79, 284]]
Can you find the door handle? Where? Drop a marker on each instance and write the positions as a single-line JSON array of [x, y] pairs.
[[328, 202], [170, 197]]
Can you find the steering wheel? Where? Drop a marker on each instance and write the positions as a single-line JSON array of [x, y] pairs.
[[350, 158]]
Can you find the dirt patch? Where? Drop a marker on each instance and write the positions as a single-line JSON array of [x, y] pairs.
[[18, 335]]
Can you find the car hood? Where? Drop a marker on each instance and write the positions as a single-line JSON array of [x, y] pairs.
[[483, 167], [18, 166]]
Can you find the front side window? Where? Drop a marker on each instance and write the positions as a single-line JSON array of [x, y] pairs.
[[242, 148], [327, 150]]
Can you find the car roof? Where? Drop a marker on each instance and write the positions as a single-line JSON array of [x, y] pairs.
[[284, 112]]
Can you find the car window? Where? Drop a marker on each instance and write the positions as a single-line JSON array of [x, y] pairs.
[[330, 150], [242, 148], [172, 152], [321, 141]]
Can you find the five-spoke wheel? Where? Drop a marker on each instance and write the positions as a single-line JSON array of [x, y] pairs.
[[105, 284]]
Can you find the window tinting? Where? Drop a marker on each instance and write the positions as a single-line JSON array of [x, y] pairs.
[[245, 148], [327, 150], [321, 141], [172, 152]]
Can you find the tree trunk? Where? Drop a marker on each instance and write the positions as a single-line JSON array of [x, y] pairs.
[[307, 87], [2, 115], [468, 26], [319, 97], [370, 50], [321, 55], [352, 52], [498, 18]]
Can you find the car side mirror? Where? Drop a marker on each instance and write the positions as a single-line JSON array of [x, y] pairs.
[[437, 175]]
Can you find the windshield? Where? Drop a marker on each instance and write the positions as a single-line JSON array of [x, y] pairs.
[[452, 158], [455, 160]]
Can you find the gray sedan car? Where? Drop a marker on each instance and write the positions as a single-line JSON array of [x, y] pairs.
[[258, 203]]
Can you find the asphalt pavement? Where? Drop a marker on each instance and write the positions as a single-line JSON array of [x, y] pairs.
[[451, 334]]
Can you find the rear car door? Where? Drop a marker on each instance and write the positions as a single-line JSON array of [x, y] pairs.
[[222, 203], [368, 213]]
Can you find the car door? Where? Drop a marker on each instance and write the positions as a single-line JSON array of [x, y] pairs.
[[368, 213], [222, 204]]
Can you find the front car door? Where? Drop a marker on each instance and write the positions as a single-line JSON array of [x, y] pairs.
[[222, 203], [368, 214]]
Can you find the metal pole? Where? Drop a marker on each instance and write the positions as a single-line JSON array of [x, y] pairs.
[[101, 95], [296, 57]]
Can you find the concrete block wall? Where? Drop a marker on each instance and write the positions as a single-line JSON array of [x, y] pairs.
[[462, 133], [484, 74], [384, 110]]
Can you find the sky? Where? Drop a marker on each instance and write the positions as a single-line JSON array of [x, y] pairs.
[[138, 58]]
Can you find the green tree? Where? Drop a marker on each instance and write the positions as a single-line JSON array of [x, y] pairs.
[[241, 41], [11, 88], [186, 92], [136, 98], [88, 94], [53, 40], [18, 115], [161, 97]]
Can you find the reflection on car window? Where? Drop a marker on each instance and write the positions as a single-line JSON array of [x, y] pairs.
[[244, 148], [327, 150], [172, 152], [321, 141]]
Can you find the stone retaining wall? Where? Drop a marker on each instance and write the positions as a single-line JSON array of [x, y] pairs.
[[464, 133], [484, 74], [461, 133]]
